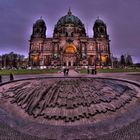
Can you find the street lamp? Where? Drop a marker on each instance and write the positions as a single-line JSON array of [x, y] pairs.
[[100, 51], [95, 63]]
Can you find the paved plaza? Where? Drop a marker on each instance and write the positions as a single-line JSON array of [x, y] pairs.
[[124, 75], [79, 106]]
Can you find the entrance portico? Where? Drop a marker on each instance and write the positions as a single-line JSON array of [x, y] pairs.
[[69, 60], [69, 56]]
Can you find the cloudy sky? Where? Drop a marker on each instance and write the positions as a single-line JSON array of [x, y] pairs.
[[121, 16]]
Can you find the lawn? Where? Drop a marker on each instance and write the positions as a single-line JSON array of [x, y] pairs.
[[24, 71], [112, 70]]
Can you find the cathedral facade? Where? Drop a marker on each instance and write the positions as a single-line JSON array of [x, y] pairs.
[[70, 46]]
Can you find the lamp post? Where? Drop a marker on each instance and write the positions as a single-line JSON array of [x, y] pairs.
[[100, 51], [5, 61], [95, 64], [111, 59]]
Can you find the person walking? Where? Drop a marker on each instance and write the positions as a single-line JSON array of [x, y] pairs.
[[0, 79], [11, 77], [93, 71], [64, 71], [88, 70], [67, 71]]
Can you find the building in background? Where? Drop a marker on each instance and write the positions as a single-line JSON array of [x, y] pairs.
[[70, 45]]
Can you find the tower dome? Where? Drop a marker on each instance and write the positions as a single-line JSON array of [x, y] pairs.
[[100, 29], [39, 29], [99, 21], [40, 22]]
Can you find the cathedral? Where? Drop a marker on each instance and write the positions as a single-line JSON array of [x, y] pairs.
[[70, 45]]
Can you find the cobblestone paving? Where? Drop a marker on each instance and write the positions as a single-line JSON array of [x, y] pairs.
[[7, 133], [69, 99], [130, 132]]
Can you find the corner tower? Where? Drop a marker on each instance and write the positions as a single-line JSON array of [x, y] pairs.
[[37, 39], [101, 38], [39, 29], [100, 29]]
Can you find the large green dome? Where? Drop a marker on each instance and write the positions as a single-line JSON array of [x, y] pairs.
[[69, 25], [69, 19]]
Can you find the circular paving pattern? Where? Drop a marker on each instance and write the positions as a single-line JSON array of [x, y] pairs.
[[71, 102]]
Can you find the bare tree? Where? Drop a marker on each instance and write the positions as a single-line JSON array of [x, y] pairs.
[[129, 61], [122, 61], [12, 60]]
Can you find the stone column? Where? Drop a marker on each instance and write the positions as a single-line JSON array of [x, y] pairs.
[[67, 63], [71, 62]]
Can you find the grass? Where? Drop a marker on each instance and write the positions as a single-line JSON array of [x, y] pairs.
[[51, 71], [24, 71], [112, 70]]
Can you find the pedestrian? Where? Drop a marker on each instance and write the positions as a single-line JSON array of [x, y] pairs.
[[95, 71], [67, 71], [92, 71], [11, 77], [0, 79], [64, 71], [88, 70]]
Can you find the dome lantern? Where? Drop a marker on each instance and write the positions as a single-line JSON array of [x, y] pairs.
[[69, 12]]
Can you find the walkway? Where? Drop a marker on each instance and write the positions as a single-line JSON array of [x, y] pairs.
[[72, 73], [135, 76]]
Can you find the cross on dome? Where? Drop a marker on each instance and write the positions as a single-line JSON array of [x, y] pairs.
[[69, 11], [98, 17]]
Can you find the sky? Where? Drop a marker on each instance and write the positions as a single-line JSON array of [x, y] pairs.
[[121, 17]]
